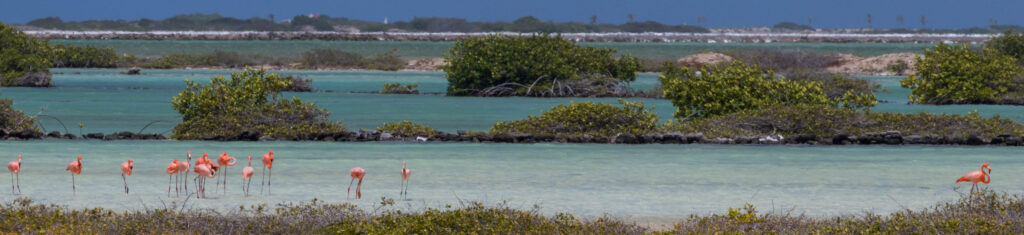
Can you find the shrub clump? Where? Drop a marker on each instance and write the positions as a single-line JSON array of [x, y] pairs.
[[827, 121], [247, 102], [397, 88], [785, 61], [69, 56], [721, 89], [13, 120], [585, 118], [407, 129], [334, 58], [958, 75], [538, 65], [23, 59]]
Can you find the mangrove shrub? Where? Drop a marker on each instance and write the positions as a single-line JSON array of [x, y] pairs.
[[525, 65], [22, 58], [13, 120], [83, 57], [597, 119], [407, 128], [247, 102], [722, 89], [1010, 44], [956, 74]]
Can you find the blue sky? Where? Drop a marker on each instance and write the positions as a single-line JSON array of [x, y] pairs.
[[721, 13]]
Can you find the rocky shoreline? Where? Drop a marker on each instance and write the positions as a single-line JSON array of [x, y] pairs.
[[879, 138], [720, 37]]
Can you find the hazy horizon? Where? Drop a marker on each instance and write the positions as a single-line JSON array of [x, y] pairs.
[[729, 13]]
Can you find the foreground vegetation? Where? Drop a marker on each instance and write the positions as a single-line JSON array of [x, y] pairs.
[[988, 212], [246, 104]]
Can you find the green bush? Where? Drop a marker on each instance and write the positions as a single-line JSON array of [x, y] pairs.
[[597, 119], [737, 86], [828, 121], [397, 88], [1010, 44], [319, 58], [407, 129], [389, 61], [246, 102], [537, 62], [21, 56], [66, 55], [956, 74], [13, 120]]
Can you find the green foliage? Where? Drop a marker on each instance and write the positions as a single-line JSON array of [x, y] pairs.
[[83, 57], [1010, 44], [407, 129], [334, 58], [216, 58], [785, 61], [897, 67], [13, 120], [597, 119], [540, 60], [791, 26], [397, 88], [246, 102], [956, 74], [828, 121], [20, 55], [723, 89]]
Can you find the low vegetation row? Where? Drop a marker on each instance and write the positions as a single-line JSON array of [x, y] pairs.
[[988, 212]]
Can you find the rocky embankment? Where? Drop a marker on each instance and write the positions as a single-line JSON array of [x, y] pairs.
[[715, 37], [886, 64], [880, 138]]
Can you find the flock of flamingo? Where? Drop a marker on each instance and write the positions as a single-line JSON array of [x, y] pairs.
[[204, 168]]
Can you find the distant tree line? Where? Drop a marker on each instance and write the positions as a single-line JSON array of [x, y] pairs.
[[323, 22]]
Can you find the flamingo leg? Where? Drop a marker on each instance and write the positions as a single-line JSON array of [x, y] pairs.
[[169, 185], [264, 181], [73, 190], [248, 185], [18, 176], [359, 193], [186, 181], [407, 183], [125, 184], [349, 190], [12, 182], [269, 176]]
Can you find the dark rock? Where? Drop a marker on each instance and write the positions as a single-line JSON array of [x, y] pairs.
[[132, 71], [94, 136], [672, 138], [1000, 139], [54, 134], [520, 138], [462, 132], [34, 79], [974, 140], [913, 139], [695, 138], [624, 139], [842, 139], [801, 139], [266, 138], [745, 140], [70, 136], [386, 136], [1013, 141]]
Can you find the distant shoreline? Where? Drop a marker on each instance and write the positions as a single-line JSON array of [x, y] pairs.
[[579, 37]]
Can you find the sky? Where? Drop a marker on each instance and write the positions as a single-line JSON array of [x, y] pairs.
[[719, 13]]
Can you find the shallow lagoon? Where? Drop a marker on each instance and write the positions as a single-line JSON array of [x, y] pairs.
[[649, 183]]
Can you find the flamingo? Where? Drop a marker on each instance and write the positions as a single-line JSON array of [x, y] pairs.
[[75, 167], [357, 172], [15, 168], [268, 163], [247, 175], [126, 169], [183, 168], [977, 176], [405, 180], [202, 170], [225, 161], [172, 170]]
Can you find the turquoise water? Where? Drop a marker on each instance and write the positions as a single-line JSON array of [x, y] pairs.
[[656, 184], [105, 101], [419, 49]]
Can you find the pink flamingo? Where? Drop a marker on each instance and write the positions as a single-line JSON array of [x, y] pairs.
[[357, 172], [183, 169], [202, 171], [405, 180], [75, 167], [225, 161], [126, 169], [172, 170], [247, 173], [268, 163], [977, 176], [15, 168]]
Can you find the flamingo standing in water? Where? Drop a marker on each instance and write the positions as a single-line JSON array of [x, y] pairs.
[[247, 175], [977, 176], [357, 172], [268, 164], [225, 161], [126, 169], [183, 169], [405, 180], [172, 170], [75, 167], [202, 171], [15, 168]]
